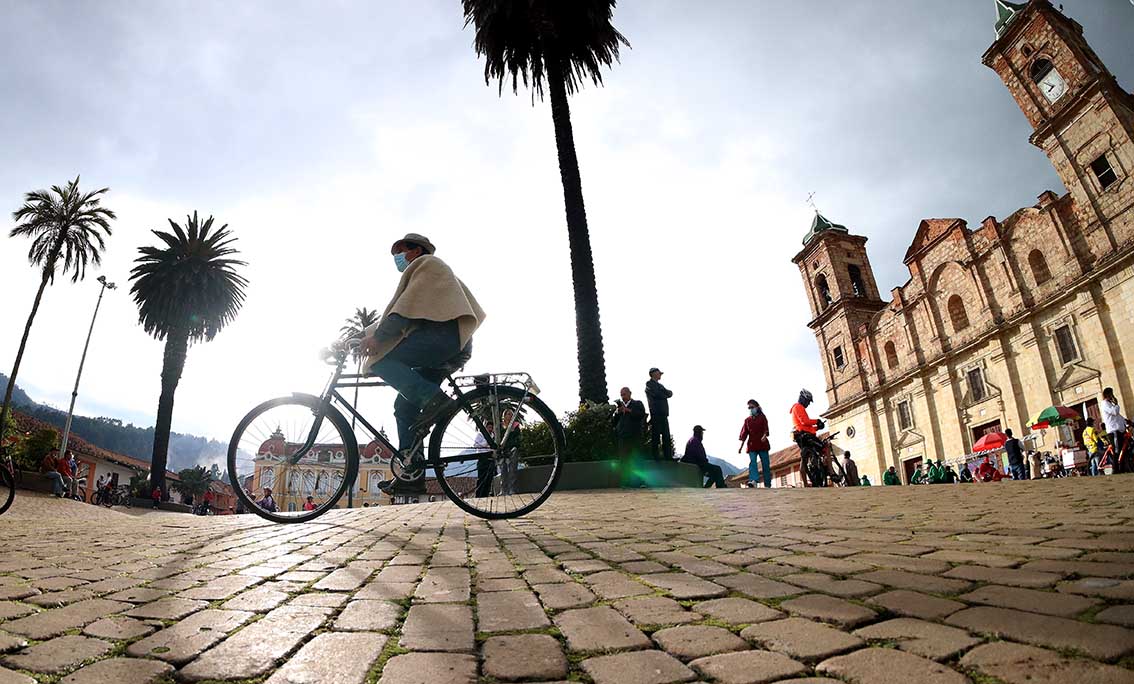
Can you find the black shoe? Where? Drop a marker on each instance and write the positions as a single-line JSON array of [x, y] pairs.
[[395, 486], [429, 413]]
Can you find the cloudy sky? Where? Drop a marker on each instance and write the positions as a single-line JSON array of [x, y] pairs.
[[321, 131]]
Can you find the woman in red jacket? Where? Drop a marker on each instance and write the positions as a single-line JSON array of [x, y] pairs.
[[755, 431]]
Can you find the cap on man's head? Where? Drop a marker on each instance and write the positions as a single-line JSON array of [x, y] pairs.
[[654, 370], [698, 428], [414, 239]]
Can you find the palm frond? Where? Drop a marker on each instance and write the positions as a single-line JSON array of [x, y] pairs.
[[64, 222]]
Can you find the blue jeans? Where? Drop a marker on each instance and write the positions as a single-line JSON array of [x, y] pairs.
[[765, 468], [57, 486], [1017, 471], [1096, 457], [410, 368]]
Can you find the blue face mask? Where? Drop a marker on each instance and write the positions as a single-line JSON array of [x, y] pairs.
[[401, 262], [754, 411]]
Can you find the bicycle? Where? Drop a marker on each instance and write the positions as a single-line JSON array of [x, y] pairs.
[[9, 478], [819, 464], [496, 452]]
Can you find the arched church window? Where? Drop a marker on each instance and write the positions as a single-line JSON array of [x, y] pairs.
[[824, 291], [857, 283], [1040, 68], [1040, 270], [891, 355], [957, 313]]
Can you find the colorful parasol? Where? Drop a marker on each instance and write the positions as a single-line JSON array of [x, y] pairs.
[[990, 442], [1052, 416]]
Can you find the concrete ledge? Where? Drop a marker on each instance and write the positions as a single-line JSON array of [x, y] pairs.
[[608, 475]]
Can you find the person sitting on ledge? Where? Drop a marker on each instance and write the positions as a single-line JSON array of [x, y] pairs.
[[891, 477], [695, 454]]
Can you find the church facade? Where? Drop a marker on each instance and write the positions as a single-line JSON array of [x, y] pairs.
[[1004, 319]]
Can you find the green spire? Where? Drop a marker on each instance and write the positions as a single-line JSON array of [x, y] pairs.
[[1005, 13], [821, 224]]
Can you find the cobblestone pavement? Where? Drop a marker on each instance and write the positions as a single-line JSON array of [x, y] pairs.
[[1013, 582]]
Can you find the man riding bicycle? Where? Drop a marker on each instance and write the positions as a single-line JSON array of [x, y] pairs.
[[804, 429], [424, 333]]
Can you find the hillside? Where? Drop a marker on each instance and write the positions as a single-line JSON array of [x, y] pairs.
[[112, 434]]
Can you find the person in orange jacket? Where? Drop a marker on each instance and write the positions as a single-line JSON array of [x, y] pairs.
[[804, 431]]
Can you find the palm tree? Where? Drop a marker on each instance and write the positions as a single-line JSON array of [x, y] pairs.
[[562, 43], [61, 222], [360, 321], [187, 291]]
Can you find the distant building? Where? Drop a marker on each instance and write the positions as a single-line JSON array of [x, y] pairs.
[[997, 323], [318, 474]]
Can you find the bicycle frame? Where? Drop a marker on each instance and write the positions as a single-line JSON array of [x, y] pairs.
[[339, 380]]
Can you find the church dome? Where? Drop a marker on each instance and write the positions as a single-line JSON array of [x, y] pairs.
[[819, 225]]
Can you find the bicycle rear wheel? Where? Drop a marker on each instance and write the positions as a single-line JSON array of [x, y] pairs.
[[516, 475], [7, 490], [262, 459]]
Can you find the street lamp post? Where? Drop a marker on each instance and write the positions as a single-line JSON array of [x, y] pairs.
[[75, 393]]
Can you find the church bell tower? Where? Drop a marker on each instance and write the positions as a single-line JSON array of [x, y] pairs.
[[1081, 118]]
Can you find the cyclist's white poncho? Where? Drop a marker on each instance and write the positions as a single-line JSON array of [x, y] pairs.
[[428, 290]]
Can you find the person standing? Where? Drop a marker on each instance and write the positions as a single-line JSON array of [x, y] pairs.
[[156, 496], [1115, 425], [755, 430], [658, 397], [629, 418], [1015, 452], [850, 471], [1095, 443], [695, 454], [891, 478], [63, 465]]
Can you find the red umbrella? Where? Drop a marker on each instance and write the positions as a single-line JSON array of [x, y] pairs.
[[991, 442]]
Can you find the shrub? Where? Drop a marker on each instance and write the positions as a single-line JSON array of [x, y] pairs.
[[29, 453]]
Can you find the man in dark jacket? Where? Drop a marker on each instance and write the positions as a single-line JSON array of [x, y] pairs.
[[658, 397], [629, 419], [850, 470], [1015, 452], [695, 454]]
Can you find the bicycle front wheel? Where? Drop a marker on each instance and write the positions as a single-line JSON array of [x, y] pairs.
[[499, 453], [273, 477], [7, 490]]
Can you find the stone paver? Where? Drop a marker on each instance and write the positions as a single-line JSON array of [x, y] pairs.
[[11, 677], [828, 609], [252, 651], [334, 658], [430, 668], [57, 655], [915, 604], [1019, 664], [802, 639], [847, 588], [737, 611], [656, 610], [118, 628], [438, 627], [748, 667], [889, 666], [368, 616], [171, 608], [524, 657], [444, 585], [643, 667], [121, 671], [563, 596], [697, 641], [504, 611], [56, 621], [1100, 641], [184, 640], [1117, 615], [1046, 602], [600, 628], [928, 639], [758, 587]]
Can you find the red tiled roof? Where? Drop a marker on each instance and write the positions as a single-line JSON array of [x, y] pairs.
[[81, 447]]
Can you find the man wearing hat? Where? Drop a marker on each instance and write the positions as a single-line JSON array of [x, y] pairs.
[[695, 454], [425, 332], [658, 397]]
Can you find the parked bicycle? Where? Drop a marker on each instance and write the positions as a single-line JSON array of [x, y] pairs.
[[496, 452], [820, 465]]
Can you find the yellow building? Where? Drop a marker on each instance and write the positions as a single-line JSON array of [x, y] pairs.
[[997, 322], [319, 474]]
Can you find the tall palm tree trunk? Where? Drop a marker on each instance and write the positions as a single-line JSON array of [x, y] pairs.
[[48, 270], [176, 349], [588, 330]]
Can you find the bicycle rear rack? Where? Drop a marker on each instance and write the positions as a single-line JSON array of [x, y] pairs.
[[521, 380]]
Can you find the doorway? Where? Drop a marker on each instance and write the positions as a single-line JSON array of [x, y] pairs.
[[909, 466]]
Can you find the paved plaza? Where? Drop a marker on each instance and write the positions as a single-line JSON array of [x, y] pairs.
[[1010, 582]]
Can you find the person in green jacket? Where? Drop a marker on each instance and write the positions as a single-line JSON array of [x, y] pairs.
[[918, 476], [935, 473], [891, 477], [865, 481]]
